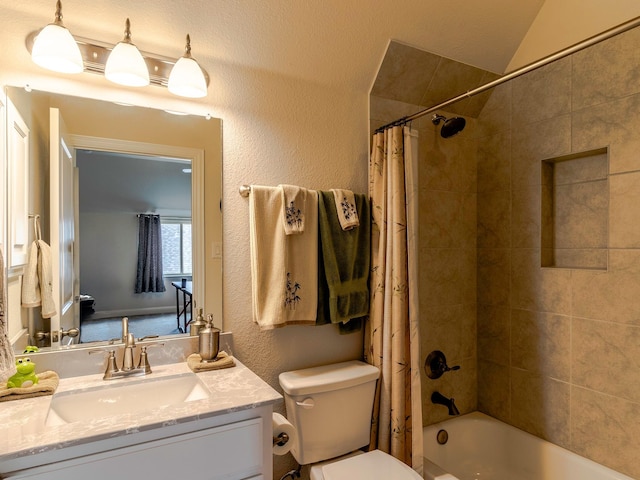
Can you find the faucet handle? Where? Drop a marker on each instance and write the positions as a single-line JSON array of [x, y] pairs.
[[436, 365], [143, 363], [112, 367]]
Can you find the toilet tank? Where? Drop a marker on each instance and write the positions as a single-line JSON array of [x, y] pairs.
[[330, 406]]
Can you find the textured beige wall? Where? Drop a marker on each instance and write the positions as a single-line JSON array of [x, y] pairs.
[[276, 129], [559, 348], [561, 23]]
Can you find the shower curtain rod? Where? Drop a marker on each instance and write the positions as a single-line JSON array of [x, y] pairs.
[[612, 32]]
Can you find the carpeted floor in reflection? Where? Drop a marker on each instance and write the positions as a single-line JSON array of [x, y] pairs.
[[140, 326]]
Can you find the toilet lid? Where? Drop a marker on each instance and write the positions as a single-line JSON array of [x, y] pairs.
[[375, 465]]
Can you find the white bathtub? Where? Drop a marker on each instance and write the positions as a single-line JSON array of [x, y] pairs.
[[483, 448]]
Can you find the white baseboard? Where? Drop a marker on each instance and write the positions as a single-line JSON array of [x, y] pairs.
[[99, 314]]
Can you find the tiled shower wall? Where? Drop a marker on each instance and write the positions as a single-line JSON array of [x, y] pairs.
[[559, 348]]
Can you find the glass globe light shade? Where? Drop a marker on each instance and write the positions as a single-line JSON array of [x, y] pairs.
[[126, 66], [55, 49], [187, 79]]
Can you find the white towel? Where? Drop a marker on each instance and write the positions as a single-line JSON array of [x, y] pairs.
[[346, 208], [293, 208], [37, 281], [284, 268]]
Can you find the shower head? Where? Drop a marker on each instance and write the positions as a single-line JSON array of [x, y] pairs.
[[451, 126]]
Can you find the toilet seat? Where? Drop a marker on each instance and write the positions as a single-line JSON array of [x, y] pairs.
[[375, 465]]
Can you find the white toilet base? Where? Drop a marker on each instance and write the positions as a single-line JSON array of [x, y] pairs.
[[375, 465]]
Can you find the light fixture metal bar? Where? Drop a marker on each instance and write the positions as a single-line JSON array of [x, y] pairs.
[[95, 54]]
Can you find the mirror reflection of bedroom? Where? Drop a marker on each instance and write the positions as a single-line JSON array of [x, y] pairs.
[[134, 216]]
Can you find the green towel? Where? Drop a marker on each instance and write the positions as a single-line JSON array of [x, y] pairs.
[[343, 265]]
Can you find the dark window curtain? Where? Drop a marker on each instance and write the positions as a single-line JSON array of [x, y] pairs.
[[149, 273]]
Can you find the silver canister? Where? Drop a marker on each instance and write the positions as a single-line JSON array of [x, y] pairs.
[[209, 341], [198, 324]]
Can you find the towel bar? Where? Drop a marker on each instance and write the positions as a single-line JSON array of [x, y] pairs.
[[244, 190]]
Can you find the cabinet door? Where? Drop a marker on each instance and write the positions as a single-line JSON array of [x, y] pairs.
[[17, 186], [232, 452]]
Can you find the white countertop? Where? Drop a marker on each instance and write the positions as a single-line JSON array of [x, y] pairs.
[[23, 431]]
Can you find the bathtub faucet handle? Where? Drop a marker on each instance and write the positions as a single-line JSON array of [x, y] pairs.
[[436, 365]]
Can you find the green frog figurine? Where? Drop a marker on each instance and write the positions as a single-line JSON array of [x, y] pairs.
[[26, 376]]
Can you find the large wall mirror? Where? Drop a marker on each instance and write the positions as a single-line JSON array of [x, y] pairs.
[[88, 177]]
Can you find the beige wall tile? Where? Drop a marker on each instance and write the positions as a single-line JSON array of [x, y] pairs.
[[536, 288], [526, 216], [606, 430], [542, 94], [604, 357], [535, 142], [581, 215], [613, 296], [494, 162], [617, 63], [468, 275], [494, 219], [469, 221], [580, 258], [494, 276], [624, 212], [449, 80], [443, 223], [496, 114], [442, 276], [494, 334], [405, 73], [494, 392], [541, 343], [581, 167], [540, 405], [449, 164], [614, 124], [450, 329]]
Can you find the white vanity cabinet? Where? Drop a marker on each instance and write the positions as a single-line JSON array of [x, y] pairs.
[[226, 436], [234, 450]]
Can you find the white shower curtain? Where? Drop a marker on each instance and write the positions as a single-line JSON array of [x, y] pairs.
[[392, 339]]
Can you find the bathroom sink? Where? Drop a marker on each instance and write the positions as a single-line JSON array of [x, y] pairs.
[[125, 398]]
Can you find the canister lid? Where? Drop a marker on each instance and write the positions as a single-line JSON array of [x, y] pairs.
[[327, 377]]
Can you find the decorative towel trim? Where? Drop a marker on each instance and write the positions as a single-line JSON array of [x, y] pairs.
[[223, 360], [47, 385], [346, 208], [293, 209]]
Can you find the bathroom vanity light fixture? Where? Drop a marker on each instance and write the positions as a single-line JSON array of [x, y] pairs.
[[123, 63], [186, 78], [55, 49]]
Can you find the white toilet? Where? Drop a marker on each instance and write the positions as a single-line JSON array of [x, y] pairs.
[[330, 407]]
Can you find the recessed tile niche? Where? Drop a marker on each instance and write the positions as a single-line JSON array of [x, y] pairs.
[[575, 210]]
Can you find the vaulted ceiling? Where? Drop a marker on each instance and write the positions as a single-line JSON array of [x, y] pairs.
[[333, 42], [340, 43]]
